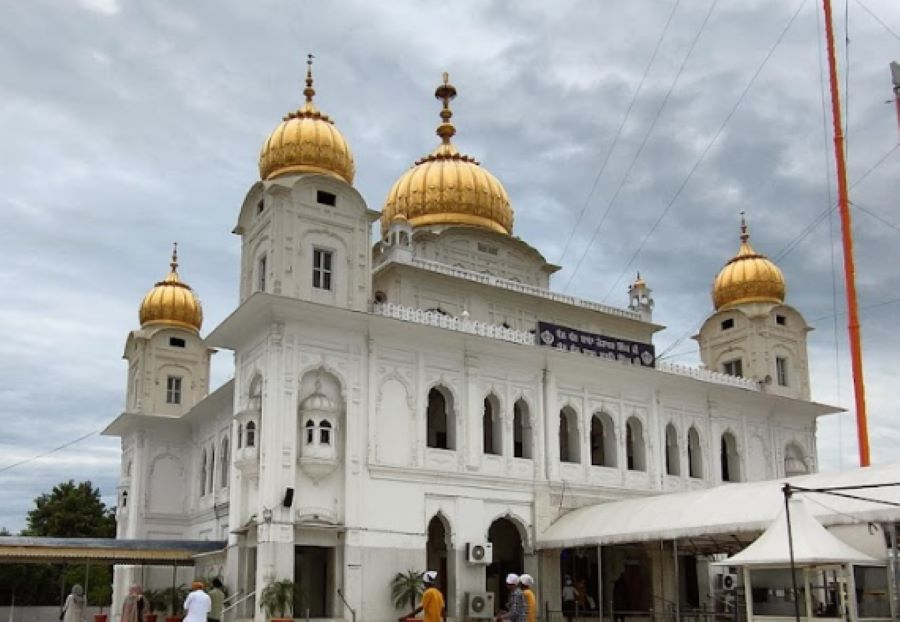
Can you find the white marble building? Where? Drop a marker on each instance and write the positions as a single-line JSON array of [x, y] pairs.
[[396, 402]]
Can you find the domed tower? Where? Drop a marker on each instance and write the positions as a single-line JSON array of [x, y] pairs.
[[752, 332], [304, 227], [168, 365]]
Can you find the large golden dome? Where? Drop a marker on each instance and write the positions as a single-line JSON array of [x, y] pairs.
[[172, 303], [448, 188], [748, 277], [306, 141]]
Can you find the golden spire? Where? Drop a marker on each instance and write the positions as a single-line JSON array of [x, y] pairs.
[[745, 235], [446, 92], [171, 302], [309, 91]]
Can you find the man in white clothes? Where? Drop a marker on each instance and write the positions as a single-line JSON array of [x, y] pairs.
[[197, 604]]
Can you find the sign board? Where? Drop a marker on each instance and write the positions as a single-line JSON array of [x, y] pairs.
[[611, 348]]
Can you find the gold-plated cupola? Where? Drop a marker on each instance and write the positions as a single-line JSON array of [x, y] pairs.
[[306, 141], [172, 302], [748, 277], [448, 188]]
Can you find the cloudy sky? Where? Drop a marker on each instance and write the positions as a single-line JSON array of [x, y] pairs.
[[126, 126]]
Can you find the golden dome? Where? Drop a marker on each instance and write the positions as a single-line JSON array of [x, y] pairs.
[[748, 277], [448, 188], [172, 303], [306, 141]]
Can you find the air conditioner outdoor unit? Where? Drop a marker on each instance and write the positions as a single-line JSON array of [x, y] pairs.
[[480, 604], [479, 552], [729, 581]]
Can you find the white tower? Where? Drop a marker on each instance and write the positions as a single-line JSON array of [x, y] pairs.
[[639, 298], [752, 333]]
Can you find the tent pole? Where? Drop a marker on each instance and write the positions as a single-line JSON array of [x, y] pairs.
[[894, 566], [787, 514], [600, 582]]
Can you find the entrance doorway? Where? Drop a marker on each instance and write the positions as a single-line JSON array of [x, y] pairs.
[[436, 553], [313, 573], [508, 557]]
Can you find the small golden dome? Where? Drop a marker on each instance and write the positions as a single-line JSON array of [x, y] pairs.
[[448, 188], [748, 277], [172, 303], [306, 141]]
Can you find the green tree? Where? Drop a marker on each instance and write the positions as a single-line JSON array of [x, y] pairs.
[[71, 510]]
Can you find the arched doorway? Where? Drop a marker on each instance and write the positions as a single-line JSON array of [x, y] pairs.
[[436, 551], [508, 557]]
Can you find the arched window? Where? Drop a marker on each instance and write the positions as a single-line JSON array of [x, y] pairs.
[[569, 449], [212, 468], [310, 431], [325, 432], [240, 435], [634, 445], [251, 434], [603, 440], [203, 473], [124, 498], [440, 420], [695, 454], [731, 470], [224, 464], [521, 430], [255, 393], [673, 466], [794, 461], [490, 427]]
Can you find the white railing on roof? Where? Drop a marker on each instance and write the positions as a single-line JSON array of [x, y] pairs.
[[707, 375], [461, 324], [515, 286]]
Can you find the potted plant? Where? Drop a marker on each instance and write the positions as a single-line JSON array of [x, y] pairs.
[[173, 597], [100, 595], [406, 588], [277, 599], [155, 601]]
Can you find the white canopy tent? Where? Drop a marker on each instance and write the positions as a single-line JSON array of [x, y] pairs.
[[813, 544], [728, 509]]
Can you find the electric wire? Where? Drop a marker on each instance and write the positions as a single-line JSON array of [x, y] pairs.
[[640, 149], [707, 149], [878, 19], [875, 216], [47, 453], [875, 305], [615, 141]]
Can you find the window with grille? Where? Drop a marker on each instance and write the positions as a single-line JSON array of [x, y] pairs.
[[173, 390], [322, 270]]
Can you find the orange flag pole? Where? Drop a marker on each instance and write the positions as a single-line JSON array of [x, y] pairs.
[[859, 389]]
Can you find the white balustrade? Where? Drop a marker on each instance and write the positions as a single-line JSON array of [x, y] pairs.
[[707, 375], [461, 324]]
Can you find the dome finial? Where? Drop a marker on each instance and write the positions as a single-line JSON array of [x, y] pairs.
[[309, 91], [446, 92], [745, 234], [174, 263]]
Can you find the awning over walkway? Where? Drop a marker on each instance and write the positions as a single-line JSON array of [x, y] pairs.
[[20, 549], [724, 512]]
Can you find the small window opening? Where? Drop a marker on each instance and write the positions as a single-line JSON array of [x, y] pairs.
[[326, 198], [261, 274], [729, 323], [325, 432], [251, 434], [177, 342], [781, 320], [781, 371], [259, 207], [173, 390], [124, 498], [733, 368], [310, 431]]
